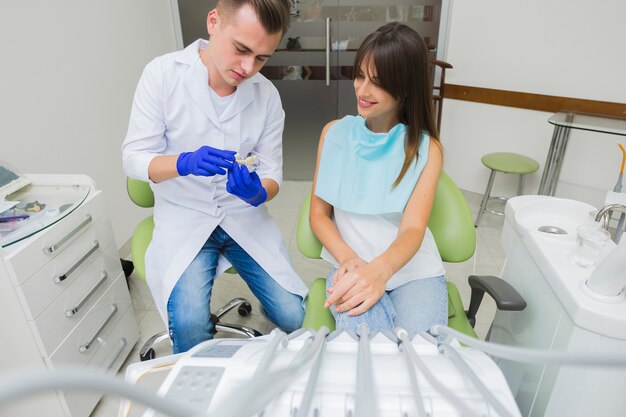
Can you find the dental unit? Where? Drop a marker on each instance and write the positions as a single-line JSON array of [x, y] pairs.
[[316, 374]]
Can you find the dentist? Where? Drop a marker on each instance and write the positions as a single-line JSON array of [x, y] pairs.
[[192, 111]]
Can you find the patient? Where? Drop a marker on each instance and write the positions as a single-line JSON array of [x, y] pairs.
[[374, 188]]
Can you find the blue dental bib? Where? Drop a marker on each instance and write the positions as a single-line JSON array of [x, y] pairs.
[[358, 168]]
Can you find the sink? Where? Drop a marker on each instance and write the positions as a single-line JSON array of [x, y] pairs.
[[553, 216], [561, 315]]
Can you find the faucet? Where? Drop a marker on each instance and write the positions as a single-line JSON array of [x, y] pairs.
[[604, 216]]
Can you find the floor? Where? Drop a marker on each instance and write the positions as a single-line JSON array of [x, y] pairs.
[[488, 260]]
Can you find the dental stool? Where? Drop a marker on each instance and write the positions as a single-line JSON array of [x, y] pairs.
[[508, 163], [141, 194]]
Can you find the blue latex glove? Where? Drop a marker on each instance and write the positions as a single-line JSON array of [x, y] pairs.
[[245, 185], [206, 161]]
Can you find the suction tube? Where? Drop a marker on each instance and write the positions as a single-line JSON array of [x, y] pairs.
[[261, 390], [23, 383], [534, 355]]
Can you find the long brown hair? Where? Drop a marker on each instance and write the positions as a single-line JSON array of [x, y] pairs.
[[401, 60]]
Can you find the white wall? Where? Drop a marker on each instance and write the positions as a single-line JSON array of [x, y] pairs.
[[68, 74], [569, 48], [69, 70]]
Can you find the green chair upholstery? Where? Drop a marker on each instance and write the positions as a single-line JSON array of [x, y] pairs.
[[451, 222], [316, 315], [453, 229], [141, 194], [508, 163], [139, 244]]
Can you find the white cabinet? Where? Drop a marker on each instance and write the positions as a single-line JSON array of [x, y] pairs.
[[63, 295]]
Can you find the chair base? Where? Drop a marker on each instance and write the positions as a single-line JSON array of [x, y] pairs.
[[499, 213], [487, 196], [243, 308]]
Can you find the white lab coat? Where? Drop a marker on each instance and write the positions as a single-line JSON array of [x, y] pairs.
[[172, 113]]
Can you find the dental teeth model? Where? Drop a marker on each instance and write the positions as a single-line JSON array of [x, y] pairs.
[[251, 161]]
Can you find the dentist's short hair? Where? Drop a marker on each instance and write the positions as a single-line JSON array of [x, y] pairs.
[[273, 14]]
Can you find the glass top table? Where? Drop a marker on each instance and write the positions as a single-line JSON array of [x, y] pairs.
[[38, 207], [563, 122]]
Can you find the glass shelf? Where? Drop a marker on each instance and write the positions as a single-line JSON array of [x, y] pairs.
[[44, 205], [591, 122]]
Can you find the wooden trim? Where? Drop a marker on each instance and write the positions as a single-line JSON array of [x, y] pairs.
[[530, 101]]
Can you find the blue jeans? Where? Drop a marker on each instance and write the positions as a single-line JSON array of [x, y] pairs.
[[188, 306], [415, 306]]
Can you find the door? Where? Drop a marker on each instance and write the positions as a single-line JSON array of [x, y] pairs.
[[312, 68], [305, 72]]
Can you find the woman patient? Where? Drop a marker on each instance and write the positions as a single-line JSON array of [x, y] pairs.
[[374, 188]]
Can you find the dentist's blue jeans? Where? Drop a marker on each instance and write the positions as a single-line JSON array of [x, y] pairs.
[[415, 306], [188, 305]]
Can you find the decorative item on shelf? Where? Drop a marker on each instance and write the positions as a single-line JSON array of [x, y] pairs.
[[351, 15], [421, 12], [295, 8], [293, 44], [313, 12], [397, 13], [340, 45], [293, 73]]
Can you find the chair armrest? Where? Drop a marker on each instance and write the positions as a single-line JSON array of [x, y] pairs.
[[506, 297], [315, 315]]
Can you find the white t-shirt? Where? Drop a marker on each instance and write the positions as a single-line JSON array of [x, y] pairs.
[[221, 103], [369, 235]]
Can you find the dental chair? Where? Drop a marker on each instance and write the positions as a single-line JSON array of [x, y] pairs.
[[452, 226], [141, 194]]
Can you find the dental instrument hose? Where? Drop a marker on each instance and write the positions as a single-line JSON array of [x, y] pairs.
[[365, 404], [484, 391], [21, 383], [445, 391], [260, 391], [534, 355]]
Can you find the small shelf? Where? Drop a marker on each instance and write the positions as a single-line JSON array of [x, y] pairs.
[[44, 205]]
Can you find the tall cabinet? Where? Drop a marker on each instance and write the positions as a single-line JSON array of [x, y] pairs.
[[63, 296]]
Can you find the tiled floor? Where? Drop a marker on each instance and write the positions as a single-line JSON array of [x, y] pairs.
[[488, 260]]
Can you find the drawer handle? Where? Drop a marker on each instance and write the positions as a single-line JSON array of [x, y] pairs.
[[63, 277], [86, 346], [123, 344], [74, 310], [56, 246]]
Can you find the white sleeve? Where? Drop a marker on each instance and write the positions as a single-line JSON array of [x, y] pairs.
[[269, 149], [145, 138]]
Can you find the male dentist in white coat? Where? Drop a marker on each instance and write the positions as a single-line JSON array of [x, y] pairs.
[[192, 111]]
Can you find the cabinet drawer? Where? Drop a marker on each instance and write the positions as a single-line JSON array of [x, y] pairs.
[[113, 350], [44, 246], [56, 277], [90, 334], [58, 320]]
